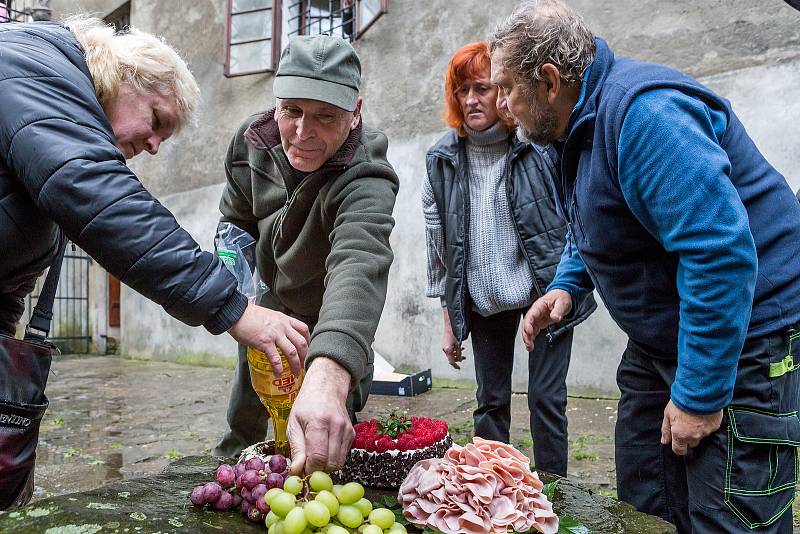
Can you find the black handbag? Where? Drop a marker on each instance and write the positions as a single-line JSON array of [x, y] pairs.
[[24, 366]]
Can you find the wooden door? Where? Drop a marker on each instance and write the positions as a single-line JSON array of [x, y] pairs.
[[113, 301]]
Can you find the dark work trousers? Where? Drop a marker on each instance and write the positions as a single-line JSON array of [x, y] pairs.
[[493, 341], [741, 477]]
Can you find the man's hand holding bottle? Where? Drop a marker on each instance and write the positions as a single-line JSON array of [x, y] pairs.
[[268, 330]]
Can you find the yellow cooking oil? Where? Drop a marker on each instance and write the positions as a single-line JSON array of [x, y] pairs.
[[277, 393]]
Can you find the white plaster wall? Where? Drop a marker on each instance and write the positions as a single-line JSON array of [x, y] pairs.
[[766, 100], [98, 307], [147, 330]]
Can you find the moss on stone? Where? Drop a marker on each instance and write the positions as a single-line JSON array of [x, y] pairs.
[[159, 504], [74, 529], [101, 506]]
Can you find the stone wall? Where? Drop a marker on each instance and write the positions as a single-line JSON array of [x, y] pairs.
[[747, 51]]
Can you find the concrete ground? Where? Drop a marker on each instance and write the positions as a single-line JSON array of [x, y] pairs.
[[112, 418]]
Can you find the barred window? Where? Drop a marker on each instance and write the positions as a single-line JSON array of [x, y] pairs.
[[256, 30], [23, 10], [5, 11], [120, 18], [348, 19]]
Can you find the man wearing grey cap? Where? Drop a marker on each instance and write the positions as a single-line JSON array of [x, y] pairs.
[[313, 186]]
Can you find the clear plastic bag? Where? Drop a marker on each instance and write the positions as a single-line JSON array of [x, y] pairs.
[[237, 250]]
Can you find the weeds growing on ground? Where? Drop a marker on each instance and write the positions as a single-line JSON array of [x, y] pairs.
[[462, 432], [580, 444], [582, 454], [524, 443], [173, 454]]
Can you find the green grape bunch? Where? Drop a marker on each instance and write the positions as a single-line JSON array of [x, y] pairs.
[[315, 504]]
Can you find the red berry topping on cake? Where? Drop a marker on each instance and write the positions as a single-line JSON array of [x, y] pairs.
[[385, 443], [405, 442], [374, 458], [398, 432]]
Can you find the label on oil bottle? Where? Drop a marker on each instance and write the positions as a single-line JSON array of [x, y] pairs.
[[277, 393], [267, 385]]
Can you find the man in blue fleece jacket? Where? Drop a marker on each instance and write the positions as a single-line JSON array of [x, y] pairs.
[[691, 238]]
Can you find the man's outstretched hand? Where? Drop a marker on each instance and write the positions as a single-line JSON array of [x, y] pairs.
[[549, 309], [320, 431]]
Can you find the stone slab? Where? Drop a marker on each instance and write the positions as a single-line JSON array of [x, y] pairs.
[[160, 505]]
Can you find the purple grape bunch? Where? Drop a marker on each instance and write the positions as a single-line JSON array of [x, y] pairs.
[[243, 486]]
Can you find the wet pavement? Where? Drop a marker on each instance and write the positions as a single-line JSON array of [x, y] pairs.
[[111, 419]]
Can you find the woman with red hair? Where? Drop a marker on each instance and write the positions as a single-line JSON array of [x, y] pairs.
[[493, 242]]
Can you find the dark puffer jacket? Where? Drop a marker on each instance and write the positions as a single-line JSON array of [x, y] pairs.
[[542, 232], [59, 167]]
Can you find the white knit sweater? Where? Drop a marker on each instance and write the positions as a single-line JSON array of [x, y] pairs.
[[498, 275]]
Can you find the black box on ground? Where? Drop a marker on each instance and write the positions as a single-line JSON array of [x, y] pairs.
[[401, 385]]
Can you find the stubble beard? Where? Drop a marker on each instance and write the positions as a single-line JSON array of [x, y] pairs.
[[545, 124]]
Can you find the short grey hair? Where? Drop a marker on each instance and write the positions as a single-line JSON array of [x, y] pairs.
[[545, 31]]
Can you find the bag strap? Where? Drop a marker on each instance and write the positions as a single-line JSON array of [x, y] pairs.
[[39, 326]]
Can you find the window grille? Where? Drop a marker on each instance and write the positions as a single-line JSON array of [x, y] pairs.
[[71, 330], [348, 19], [249, 29], [256, 30], [23, 10]]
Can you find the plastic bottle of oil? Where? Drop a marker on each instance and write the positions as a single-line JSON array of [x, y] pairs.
[[277, 393]]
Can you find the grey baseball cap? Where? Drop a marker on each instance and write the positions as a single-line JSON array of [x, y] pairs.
[[319, 67]]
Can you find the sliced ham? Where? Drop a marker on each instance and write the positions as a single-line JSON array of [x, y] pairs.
[[484, 486]]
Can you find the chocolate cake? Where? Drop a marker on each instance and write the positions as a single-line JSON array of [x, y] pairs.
[[384, 450]]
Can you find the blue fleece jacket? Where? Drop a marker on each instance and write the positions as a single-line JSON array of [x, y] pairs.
[[674, 177], [699, 215]]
